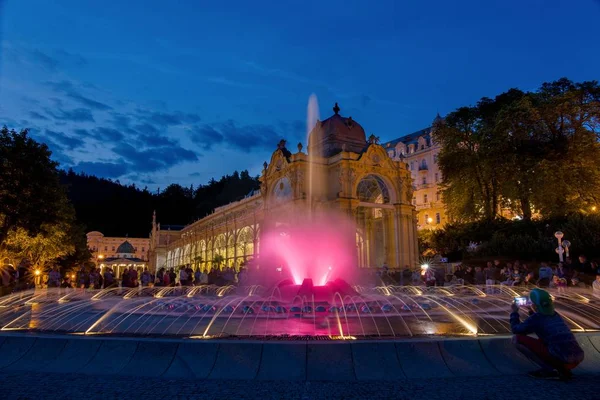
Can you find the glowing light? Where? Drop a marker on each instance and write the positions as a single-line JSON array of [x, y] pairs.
[[308, 248], [37, 272], [73, 276], [100, 256], [342, 337], [594, 208], [429, 220]]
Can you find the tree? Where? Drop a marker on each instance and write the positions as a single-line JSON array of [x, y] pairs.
[[30, 193], [42, 248], [36, 217], [529, 152]]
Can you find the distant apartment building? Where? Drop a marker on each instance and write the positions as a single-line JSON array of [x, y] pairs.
[[420, 152], [104, 247]]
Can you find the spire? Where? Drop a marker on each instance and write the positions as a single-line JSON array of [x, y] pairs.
[[336, 108]]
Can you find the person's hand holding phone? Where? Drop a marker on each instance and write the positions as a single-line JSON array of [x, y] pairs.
[[514, 307]]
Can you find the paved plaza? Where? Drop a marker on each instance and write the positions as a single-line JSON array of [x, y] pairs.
[[27, 385]]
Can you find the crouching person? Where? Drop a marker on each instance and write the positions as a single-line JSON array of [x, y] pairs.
[[555, 350]]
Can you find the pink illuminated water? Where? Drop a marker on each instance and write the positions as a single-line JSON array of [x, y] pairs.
[[322, 249]]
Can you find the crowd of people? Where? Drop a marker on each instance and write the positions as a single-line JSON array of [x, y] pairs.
[[22, 278]]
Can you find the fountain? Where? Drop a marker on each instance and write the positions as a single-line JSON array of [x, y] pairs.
[[308, 286]]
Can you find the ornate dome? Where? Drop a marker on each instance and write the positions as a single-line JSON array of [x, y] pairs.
[[125, 248], [335, 134]]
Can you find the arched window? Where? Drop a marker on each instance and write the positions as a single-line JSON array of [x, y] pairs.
[[372, 189]]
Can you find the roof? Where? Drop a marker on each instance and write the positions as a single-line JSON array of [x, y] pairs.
[[336, 134], [411, 138], [113, 259], [171, 227], [125, 248]]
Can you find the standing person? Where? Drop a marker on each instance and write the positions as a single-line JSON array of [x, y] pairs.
[[555, 350], [109, 279], [544, 275], [183, 276], [82, 278], [172, 277], [479, 276], [166, 279], [596, 287], [54, 278], [190, 275], [146, 277], [197, 275], [159, 281], [94, 275], [469, 276], [429, 277], [125, 278], [133, 276]]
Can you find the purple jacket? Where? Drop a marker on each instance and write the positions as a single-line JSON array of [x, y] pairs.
[[553, 332]]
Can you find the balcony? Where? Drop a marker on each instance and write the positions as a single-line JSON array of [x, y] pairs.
[[423, 167]]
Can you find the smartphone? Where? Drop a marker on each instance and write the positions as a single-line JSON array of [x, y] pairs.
[[522, 301]]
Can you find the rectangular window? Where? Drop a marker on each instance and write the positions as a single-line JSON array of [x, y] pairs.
[[435, 156], [113, 248], [437, 177], [424, 180], [437, 197], [105, 248], [143, 249], [425, 198], [412, 166], [427, 218], [438, 218]]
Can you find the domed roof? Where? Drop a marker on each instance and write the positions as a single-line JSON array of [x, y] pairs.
[[335, 134], [125, 248]]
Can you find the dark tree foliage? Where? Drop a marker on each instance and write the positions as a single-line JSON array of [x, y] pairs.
[[118, 210], [33, 203], [531, 152]]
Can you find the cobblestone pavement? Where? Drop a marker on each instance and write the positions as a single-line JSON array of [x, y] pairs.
[[26, 385]]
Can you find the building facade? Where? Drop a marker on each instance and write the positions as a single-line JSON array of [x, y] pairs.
[[341, 171], [103, 247], [420, 152]]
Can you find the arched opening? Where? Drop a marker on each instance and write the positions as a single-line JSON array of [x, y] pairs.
[[375, 238]]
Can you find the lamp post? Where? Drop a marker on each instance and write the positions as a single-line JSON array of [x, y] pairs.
[[566, 244], [559, 250]]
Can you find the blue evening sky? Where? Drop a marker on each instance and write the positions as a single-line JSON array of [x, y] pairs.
[[157, 92]]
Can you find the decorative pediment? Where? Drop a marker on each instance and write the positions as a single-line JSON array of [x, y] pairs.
[[376, 156], [278, 163]]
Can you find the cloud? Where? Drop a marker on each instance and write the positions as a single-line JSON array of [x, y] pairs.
[[75, 59], [70, 91], [37, 115], [75, 115], [103, 169], [147, 129], [167, 119], [107, 134], [242, 137], [154, 159], [68, 141], [155, 141], [206, 136], [43, 59]]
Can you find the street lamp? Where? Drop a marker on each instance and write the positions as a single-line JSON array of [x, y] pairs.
[[559, 250], [566, 244]]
